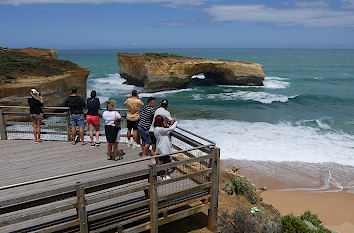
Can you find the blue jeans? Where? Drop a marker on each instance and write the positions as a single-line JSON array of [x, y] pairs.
[[77, 120], [144, 135]]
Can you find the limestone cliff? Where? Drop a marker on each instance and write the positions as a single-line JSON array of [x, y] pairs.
[[20, 71], [158, 72]]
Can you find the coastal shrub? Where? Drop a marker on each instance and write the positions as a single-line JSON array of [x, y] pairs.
[[244, 187], [229, 187], [306, 222], [161, 54], [242, 220]]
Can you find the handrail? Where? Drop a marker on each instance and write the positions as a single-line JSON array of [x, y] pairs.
[[48, 107], [99, 168], [196, 135]]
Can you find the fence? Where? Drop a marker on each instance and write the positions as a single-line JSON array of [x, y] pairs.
[[15, 123], [135, 201]]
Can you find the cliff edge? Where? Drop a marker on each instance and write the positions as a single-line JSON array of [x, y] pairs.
[[159, 72], [23, 69]]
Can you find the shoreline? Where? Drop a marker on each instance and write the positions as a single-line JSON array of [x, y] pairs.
[[294, 187]]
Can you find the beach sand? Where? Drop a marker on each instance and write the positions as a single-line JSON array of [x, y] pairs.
[[294, 187]]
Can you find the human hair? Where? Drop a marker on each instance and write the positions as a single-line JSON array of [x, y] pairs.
[[74, 90], [93, 94], [150, 99], [134, 93], [111, 105], [160, 122], [164, 103]]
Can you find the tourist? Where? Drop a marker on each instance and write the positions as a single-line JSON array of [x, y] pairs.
[[35, 103], [133, 103], [163, 141], [162, 110], [112, 120], [145, 121], [93, 119], [76, 104]]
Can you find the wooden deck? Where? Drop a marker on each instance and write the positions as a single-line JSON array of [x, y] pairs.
[[24, 161]]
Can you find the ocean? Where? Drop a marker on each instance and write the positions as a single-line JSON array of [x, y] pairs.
[[304, 112]]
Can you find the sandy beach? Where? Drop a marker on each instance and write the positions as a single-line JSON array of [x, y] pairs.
[[324, 189]]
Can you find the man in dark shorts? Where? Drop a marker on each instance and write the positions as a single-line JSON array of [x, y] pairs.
[[77, 105], [145, 121], [134, 103]]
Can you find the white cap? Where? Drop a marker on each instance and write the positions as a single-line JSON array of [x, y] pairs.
[[34, 91]]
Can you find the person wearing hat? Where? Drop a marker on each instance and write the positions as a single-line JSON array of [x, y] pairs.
[[168, 120], [133, 114], [35, 103]]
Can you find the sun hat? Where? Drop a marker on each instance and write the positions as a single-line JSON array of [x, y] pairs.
[[34, 93]]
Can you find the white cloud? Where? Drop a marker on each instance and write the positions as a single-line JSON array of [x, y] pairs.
[[348, 3], [311, 4], [304, 16], [170, 2]]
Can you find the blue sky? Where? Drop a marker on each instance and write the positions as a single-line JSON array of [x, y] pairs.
[[82, 24]]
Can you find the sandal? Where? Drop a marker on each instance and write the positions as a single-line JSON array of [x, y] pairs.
[[118, 158]]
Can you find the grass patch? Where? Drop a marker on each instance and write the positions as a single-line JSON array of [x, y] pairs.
[[241, 186], [162, 55]]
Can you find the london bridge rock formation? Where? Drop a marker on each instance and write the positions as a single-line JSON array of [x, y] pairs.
[[23, 69], [159, 72]]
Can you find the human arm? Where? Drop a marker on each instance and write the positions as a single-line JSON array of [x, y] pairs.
[[169, 129]]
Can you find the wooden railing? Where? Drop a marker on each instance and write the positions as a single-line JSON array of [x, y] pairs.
[[131, 202]]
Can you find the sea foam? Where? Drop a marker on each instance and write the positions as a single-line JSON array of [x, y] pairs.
[[275, 142]]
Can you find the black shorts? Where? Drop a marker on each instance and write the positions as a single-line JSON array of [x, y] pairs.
[[132, 124], [111, 133], [152, 137]]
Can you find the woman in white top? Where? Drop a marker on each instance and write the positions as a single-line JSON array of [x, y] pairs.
[[163, 141], [112, 120]]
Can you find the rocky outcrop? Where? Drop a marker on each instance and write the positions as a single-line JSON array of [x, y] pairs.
[[53, 78], [40, 53], [158, 72]]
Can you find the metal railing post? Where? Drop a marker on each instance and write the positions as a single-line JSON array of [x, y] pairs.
[[68, 124], [2, 125], [214, 191], [153, 200], [81, 207]]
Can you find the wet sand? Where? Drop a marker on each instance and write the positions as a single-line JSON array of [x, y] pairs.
[[294, 187]]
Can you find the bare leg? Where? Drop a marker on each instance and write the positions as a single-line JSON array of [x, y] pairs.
[[34, 130], [73, 133], [91, 132], [39, 122], [97, 127], [135, 135], [109, 150], [145, 149], [115, 150], [128, 134], [82, 136], [153, 149]]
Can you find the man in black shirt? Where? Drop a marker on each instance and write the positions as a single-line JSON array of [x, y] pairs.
[[76, 104], [146, 117]]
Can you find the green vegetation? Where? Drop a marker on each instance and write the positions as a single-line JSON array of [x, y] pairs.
[[16, 64], [162, 55], [241, 186], [306, 222]]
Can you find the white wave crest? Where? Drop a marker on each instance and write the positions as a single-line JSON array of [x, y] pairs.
[[164, 93], [275, 83], [262, 97], [275, 142]]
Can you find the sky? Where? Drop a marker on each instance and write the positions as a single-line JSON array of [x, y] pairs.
[[104, 24]]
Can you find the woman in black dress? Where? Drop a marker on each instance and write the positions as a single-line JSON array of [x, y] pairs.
[[35, 103]]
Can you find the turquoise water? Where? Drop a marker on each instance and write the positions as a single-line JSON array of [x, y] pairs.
[[305, 111]]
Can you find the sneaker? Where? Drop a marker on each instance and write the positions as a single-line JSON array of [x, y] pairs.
[[134, 145], [97, 143], [92, 144], [166, 178]]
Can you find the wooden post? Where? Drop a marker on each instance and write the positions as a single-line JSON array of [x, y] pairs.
[[214, 191], [2, 126], [81, 207], [68, 124], [153, 200]]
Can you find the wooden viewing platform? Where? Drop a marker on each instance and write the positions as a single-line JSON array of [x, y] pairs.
[[59, 187]]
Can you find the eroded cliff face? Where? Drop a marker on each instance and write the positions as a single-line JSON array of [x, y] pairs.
[[20, 72], [168, 72]]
